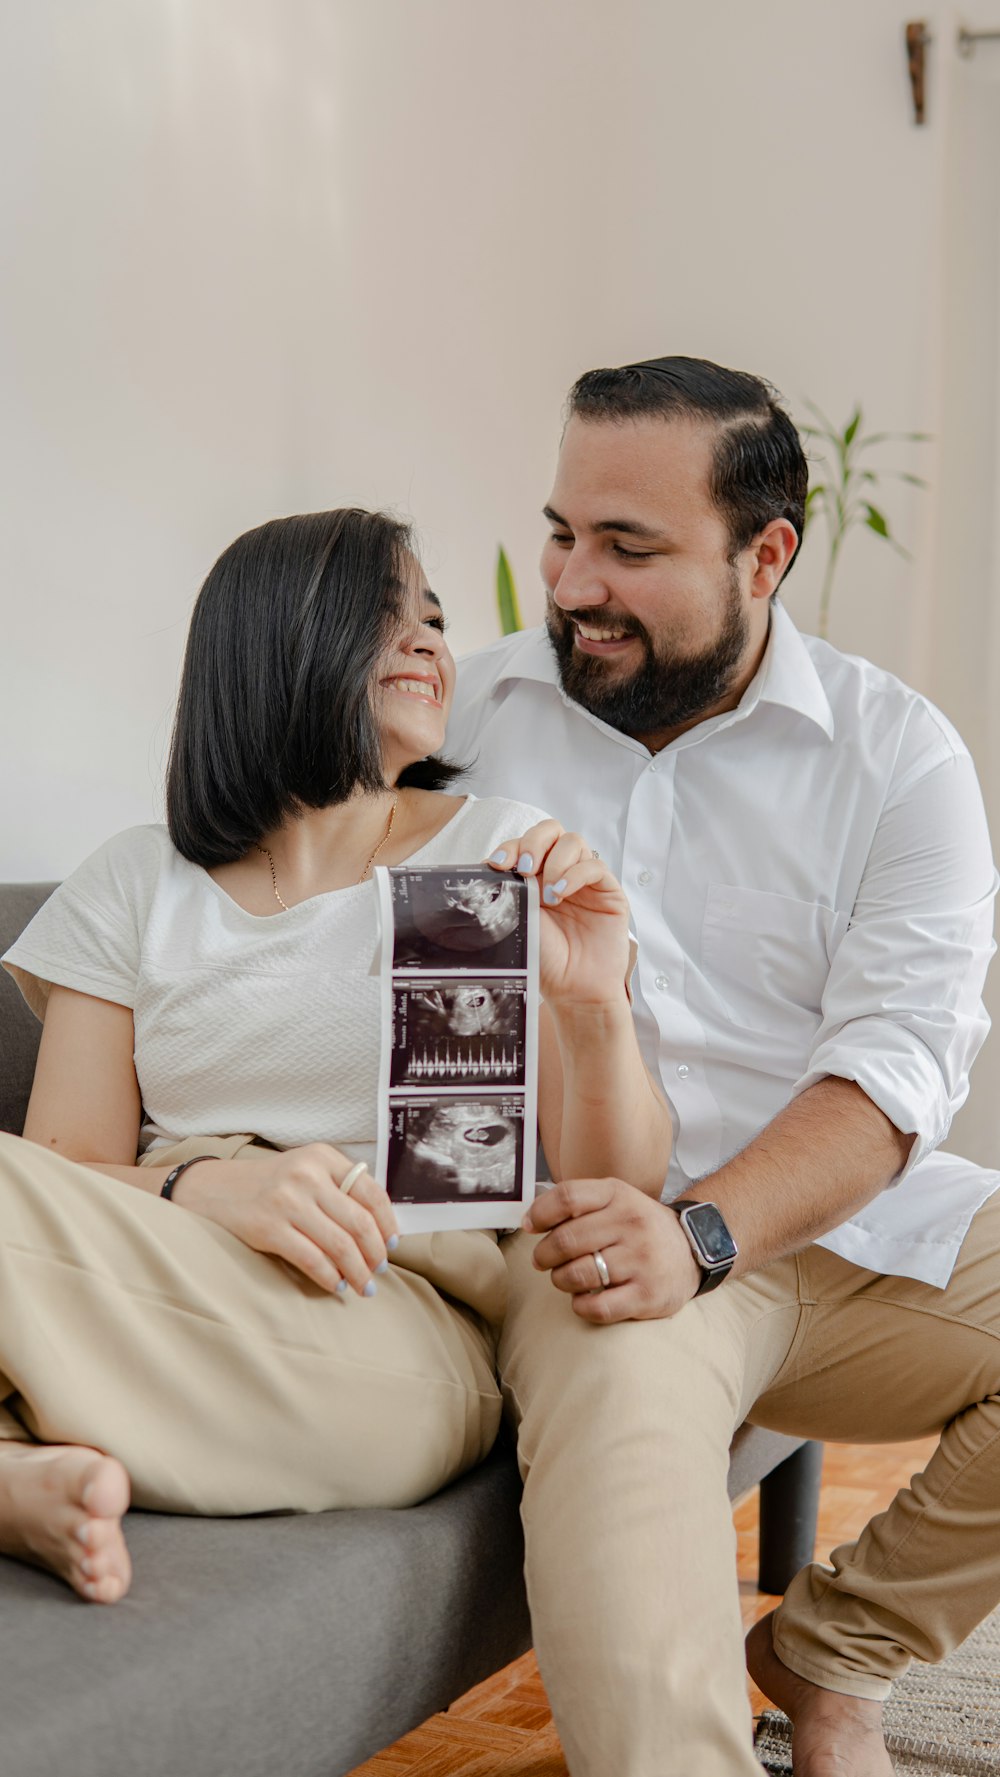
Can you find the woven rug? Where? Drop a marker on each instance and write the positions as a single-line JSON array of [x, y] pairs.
[[941, 1721]]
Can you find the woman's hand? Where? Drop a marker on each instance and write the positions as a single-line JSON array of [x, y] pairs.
[[585, 915], [290, 1204]]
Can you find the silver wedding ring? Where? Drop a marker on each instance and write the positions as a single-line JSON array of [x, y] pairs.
[[602, 1270], [351, 1178], [595, 854]]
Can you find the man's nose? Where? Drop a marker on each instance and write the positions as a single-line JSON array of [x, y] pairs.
[[580, 584]]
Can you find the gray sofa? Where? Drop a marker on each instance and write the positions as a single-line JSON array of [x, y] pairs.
[[288, 1646]]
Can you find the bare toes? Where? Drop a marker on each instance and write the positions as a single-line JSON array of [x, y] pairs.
[[104, 1489]]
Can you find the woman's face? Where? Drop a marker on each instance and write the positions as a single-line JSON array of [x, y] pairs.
[[416, 681]]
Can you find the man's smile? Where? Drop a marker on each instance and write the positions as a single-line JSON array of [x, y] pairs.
[[591, 640]]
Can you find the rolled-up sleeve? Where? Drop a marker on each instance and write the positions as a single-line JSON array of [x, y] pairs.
[[902, 1010]]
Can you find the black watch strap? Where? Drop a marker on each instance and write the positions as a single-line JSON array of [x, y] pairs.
[[713, 1271]]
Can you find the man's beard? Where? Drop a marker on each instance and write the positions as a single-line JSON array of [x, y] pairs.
[[666, 689]]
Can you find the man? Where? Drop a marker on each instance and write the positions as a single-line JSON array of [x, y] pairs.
[[803, 843]]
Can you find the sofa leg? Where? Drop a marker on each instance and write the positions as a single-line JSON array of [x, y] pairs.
[[789, 1501]]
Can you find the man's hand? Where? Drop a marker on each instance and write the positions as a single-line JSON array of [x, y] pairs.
[[652, 1268]]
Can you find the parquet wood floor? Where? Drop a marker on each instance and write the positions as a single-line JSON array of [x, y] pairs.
[[503, 1728]]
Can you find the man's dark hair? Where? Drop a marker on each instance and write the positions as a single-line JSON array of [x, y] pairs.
[[759, 471], [276, 710]]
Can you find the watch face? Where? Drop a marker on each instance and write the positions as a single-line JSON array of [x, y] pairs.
[[711, 1233]]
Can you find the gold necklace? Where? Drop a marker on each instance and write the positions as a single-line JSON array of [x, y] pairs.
[[364, 873]]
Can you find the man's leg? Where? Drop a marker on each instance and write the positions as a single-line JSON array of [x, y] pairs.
[[882, 1359], [624, 1439]]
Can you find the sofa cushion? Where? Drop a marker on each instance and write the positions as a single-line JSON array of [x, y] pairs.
[[291, 1645], [20, 1030]]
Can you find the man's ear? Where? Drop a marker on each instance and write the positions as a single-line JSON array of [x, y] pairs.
[[772, 550]]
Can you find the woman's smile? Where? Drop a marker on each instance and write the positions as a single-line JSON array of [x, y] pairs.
[[415, 685]]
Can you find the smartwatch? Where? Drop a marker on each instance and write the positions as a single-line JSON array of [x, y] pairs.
[[709, 1239]]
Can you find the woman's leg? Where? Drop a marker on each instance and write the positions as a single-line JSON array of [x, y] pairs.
[[221, 1379]]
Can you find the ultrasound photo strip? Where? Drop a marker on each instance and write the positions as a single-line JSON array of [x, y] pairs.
[[453, 1033], [456, 1153], [460, 920], [459, 1056]]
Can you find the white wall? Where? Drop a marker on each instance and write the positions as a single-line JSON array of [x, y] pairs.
[[266, 255], [960, 665]]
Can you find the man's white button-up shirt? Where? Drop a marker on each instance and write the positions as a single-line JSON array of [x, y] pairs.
[[811, 883]]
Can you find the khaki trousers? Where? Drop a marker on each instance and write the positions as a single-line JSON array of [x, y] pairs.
[[624, 1438], [225, 1381]]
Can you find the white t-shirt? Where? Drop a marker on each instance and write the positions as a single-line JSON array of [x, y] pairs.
[[244, 1024]]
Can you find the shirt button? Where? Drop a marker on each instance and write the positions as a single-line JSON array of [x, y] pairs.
[[661, 982], [683, 1071], [653, 765], [645, 877]]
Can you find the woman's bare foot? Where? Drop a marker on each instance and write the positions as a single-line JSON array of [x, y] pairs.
[[61, 1507], [834, 1735]]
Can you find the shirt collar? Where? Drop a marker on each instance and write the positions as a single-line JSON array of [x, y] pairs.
[[786, 675]]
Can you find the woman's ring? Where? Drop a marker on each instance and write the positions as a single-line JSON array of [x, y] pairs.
[[348, 1183], [595, 854], [602, 1270]]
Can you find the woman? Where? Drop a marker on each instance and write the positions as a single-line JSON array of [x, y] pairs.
[[218, 1325]]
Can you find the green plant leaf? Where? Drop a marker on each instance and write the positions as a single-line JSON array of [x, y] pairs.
[[815, 502], [825, 429], [877, 522], [852, 426], [895, 437], [507, 605], [903, 475]]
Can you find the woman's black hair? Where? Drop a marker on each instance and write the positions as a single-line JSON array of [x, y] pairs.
[[276, 710], [759, 469]]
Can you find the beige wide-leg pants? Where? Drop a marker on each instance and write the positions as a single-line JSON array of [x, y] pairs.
[[225, 1381], [624, 1437]]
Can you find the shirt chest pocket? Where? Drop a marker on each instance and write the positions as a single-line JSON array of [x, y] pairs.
[[768, 957]]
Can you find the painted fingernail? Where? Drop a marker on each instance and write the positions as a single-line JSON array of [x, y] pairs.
[[527, 1224], [370, 1287], [383, 1267], [90, 1592], [88, 1568], [82, 1534], [498, 857], [525, 862], [553, 890], [342, 1287], [392, 1242]]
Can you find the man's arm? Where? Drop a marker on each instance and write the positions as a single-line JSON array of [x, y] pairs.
[[823, 1157], [902, 1021]]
